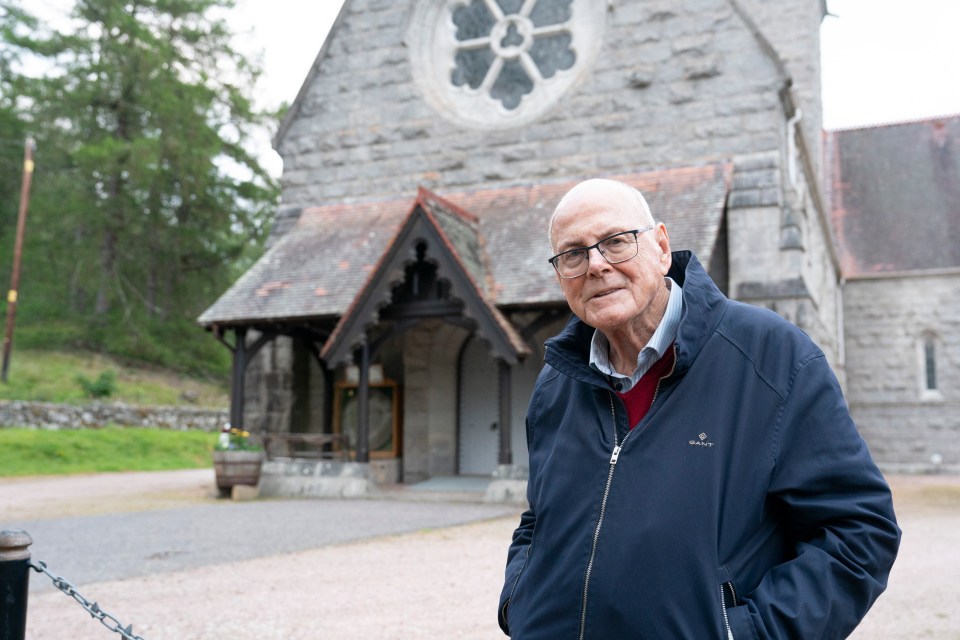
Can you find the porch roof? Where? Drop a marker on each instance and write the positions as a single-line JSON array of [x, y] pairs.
[[448, 235], [318, 268]]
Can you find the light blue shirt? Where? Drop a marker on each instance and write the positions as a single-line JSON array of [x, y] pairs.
[[659, 342]]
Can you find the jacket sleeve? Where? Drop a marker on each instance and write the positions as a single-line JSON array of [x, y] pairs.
[[837, 508]]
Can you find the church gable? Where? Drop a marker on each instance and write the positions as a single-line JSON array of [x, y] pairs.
[[570, 89]]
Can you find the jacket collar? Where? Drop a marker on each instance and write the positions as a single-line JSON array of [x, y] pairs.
[[703, 307]]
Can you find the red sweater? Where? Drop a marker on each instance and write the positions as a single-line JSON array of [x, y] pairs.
[[640, 397]]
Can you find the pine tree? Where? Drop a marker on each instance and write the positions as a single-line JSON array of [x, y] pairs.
[[150, 195]]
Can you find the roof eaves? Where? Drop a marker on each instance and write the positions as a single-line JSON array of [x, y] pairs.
[[895, 123], [351, 315]]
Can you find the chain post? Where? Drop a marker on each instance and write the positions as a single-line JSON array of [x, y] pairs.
[[14, 583], [15, 568]]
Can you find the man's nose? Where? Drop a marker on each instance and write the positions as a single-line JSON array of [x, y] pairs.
[[596, 261]]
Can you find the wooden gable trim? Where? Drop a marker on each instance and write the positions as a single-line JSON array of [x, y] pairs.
[[376, 293]]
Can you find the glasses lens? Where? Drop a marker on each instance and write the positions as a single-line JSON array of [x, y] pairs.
[[620, 247], [572, 263]]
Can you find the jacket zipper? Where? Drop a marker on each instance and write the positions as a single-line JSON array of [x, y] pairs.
[[614, 456], [723, 605], [603, 508]]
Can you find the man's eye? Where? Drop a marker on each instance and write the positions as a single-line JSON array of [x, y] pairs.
[[574, 256], [613, 243]]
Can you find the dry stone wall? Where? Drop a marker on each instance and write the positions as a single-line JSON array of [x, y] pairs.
[[49, 415]]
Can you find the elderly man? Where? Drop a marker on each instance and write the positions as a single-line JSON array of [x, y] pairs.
[[694, 471]]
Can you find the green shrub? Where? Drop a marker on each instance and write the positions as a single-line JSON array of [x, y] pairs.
[[103, 387]]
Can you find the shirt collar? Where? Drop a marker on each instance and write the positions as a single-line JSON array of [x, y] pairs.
[[660, 341]]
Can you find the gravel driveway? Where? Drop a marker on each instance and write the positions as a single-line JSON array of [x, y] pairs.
[[158, 552]]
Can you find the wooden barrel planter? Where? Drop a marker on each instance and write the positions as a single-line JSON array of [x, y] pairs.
[[233, 467]]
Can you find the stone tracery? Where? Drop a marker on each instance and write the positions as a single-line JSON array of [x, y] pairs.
[[505, 48]]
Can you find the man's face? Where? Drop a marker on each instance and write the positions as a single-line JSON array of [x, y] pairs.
[[610, 297]]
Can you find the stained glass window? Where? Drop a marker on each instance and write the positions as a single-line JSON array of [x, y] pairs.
[[506, 47], [494, 63]]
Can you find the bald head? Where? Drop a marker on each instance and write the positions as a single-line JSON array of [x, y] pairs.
[[601, 190]]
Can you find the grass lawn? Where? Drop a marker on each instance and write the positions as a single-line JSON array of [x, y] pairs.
[[28, 452]]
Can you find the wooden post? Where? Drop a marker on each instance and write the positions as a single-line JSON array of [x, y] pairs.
[[237, 395], [17, 254], [363, 405], [506, 400]]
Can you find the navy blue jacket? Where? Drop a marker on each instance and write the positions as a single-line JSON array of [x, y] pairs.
[[743, 505]]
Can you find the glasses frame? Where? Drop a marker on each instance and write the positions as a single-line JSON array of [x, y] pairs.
[[596, 245]]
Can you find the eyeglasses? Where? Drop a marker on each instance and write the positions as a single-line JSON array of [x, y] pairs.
[[619, 247]]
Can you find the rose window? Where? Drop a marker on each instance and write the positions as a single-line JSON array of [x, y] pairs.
[[492, 62], [506, 47]]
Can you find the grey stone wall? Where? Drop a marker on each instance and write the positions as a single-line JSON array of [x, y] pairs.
[[907, 427], [781, 250], [674, 83], [314, 479], [430, 400], [49, 415], [793, 28], [268, 387]]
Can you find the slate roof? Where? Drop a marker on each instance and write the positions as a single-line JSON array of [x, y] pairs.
[[895, 196], [317, 269]]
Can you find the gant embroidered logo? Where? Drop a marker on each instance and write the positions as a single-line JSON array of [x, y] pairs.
[[701, 441]]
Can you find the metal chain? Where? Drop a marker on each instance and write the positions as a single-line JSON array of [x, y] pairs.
[[92, 608]]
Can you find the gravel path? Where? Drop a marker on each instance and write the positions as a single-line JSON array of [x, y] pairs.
[[417, 581]]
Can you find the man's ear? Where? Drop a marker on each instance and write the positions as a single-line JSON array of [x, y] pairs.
[[663, 241]]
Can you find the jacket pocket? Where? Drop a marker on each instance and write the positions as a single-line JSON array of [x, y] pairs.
[[503, 615]]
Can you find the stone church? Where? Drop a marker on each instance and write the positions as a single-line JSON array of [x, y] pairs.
[[393, 330]]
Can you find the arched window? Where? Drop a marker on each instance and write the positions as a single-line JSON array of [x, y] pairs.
[[930, 351], [930, 363]]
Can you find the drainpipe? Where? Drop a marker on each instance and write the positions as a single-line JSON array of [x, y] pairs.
[[792, 149], [841, 341], [363, 403]]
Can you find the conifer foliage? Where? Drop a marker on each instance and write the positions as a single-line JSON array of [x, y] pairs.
[[146, 201]]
